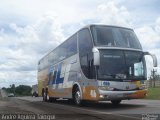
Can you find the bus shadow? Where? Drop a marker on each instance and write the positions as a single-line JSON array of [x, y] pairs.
[[107, 105]]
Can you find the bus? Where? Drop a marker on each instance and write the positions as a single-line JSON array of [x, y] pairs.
[[97, 63]]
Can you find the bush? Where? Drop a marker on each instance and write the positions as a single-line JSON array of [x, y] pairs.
[[23, 90]]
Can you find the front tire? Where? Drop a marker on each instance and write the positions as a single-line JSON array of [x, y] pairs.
[[77, 97], [116, 102]]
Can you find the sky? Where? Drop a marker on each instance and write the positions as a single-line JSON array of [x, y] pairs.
[[29, 29]]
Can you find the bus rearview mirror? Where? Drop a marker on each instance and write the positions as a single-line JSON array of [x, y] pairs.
[[153, 57], [96, 57]]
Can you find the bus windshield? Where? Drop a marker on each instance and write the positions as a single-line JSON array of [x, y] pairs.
[[120, 64], [115, 37]]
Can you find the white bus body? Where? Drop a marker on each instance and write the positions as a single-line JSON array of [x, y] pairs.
[[98, 62]]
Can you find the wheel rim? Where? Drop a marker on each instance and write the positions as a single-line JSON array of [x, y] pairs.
[[44, 96], [78, 97]]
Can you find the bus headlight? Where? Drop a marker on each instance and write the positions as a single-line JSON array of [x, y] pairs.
[[106, 88]]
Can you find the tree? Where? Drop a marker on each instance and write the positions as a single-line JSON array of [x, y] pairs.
[[154, 76], [157, 77], [4, 88], [13, 88], [23, 90]]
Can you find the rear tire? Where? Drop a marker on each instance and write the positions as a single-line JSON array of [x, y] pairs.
[[45, 96], [116, 102]]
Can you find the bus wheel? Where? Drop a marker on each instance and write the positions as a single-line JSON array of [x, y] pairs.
[[43, 98], [46, 97], [116, 102], [43, 94], [77, 97]]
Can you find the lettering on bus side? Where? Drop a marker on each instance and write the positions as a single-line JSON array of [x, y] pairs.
[[54, 75]]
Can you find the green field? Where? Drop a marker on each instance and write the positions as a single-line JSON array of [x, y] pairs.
[[153, 93]]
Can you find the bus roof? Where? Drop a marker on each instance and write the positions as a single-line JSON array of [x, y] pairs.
[[87, 26]]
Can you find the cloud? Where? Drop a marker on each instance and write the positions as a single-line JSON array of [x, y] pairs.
[[28, 34], [111, 14], [149, 36], [150, 39], [17, 78], [22, 50], [157, 27]]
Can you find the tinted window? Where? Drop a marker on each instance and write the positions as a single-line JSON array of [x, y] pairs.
[[103, 36], [115, 36], [112, 62], [66, 49], [118, 64], [85, 52], [51, 57], [56, 55], [43, 63], [84, 65], [135, 64], [62, 51], [72, 45], [85, 42]]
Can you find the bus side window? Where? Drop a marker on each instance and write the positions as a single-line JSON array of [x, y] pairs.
[[84, 65], [72, 45], [85, 51]]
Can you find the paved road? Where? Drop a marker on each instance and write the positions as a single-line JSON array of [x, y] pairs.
[[62, 109]]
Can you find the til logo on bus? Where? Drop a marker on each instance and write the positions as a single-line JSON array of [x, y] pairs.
[[106, 83]]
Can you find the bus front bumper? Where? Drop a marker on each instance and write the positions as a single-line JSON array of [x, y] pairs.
[[121, 95]]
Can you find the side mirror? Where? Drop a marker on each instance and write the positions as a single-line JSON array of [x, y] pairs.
[[153, 57], [96, 57]]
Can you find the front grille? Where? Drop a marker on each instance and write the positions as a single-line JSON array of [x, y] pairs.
[[115, 89]]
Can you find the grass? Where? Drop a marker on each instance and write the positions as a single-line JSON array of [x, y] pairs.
[[153, 93]]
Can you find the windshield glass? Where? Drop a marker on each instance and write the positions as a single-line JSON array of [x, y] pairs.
[[115, 37], [116, 64]]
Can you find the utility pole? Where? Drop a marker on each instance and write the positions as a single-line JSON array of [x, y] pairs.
[[154, 78]]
